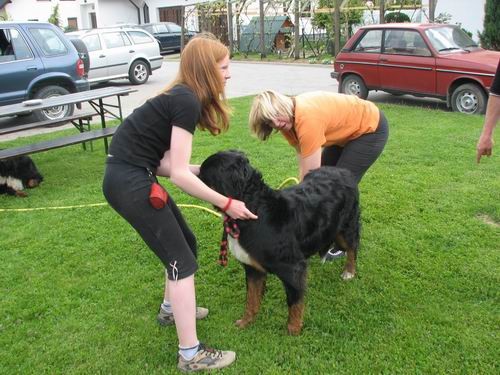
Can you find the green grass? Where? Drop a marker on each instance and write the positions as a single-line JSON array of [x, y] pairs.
[[79, 290]]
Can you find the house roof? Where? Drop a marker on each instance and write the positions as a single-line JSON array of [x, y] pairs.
[[273, 25]]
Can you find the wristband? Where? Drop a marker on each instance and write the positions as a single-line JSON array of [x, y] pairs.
[[226, 207]]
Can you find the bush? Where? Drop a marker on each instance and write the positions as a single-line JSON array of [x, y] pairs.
[[395, 17]]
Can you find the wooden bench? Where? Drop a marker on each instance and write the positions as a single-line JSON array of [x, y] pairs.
[[57, 143], [76, 120]]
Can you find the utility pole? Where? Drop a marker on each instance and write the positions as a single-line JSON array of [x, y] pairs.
[[432, 9], [382, 11], [230, 26], [261, 36], [297, 29], [336, 27]]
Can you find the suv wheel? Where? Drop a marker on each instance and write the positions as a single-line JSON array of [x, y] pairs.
[[138, 73], [53, 113], [354, 85], [469, 99]]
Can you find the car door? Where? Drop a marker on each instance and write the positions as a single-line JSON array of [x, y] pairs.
[[406, 63], [363, 59], [18, 65], [97, 56], [118, 52]]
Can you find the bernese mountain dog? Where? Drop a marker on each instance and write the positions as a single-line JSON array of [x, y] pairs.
[[293, 224], [18, 173]]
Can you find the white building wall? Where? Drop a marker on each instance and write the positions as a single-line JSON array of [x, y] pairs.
[[112, 12], [25, 10]]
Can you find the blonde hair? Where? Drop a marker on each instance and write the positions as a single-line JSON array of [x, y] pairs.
[[199, 71], [266, 107]]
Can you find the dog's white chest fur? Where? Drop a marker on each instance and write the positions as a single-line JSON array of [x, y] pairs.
[[12, 182], [238, 252]]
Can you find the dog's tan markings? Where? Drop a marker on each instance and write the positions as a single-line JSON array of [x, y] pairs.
[[295, 318], [255, 291], [350, 264]]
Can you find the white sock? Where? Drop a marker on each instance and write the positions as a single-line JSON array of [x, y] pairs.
[[166, 306], [189, 353]]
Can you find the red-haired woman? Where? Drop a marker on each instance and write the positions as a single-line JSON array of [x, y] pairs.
[[156, 140]]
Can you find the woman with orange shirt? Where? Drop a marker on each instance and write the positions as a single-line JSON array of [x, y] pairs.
[[325, 129]]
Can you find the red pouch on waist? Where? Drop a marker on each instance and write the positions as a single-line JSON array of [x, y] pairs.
[[157, 196]]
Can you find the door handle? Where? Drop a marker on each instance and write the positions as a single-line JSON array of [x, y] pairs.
[[31, 68], [101, 56], [383, 60], [131, 51]]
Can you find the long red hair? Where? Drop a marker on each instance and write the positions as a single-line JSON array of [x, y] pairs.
[[199, 70]]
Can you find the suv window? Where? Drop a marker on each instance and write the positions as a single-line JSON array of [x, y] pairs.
[[370, 42], [139, 37], [116, 39], [13, 46], [161, 28], [92, 42], [174, 28], [50, 43]]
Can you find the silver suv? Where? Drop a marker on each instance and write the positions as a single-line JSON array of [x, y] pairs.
[[120, 52]]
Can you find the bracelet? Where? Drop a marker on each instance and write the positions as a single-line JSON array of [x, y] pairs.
[[226, 207]]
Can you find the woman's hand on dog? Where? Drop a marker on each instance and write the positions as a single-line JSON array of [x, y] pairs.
[[238, 210]]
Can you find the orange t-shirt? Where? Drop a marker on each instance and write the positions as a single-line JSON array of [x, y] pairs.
[[324, 119]]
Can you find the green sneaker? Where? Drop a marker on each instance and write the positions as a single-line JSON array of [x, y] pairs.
[[206, 359], [165, 318]]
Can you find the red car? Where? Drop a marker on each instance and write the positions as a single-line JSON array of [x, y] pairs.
[[433, 60]]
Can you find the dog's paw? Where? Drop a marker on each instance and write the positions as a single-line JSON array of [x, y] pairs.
[[242, 323], [22, 194], [294, 330], [346, 275]]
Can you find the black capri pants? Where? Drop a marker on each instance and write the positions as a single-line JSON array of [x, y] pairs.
[[359, 154], [126, 188]]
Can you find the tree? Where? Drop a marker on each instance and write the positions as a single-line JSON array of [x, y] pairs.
[[55, 18], [396, 17], [490, 37]]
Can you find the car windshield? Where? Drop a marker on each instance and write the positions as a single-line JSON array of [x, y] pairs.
[[174, 28], [449, 38]]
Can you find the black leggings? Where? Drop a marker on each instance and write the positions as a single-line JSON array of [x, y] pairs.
[[359, 154], [126, 188]]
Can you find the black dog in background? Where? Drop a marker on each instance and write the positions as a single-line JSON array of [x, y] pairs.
[[294, 224], [18, 173]]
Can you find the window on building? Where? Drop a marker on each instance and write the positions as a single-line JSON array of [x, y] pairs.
[[72, 23], [145, 10]]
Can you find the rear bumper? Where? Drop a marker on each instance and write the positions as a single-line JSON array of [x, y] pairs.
[[82, 85], [156, 62]]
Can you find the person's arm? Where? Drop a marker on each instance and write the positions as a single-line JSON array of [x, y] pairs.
[[485, 144], [309, 163], [182, 176], [164, 168]]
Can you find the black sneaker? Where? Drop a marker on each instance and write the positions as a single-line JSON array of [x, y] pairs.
[[333, 254], [206, 359]]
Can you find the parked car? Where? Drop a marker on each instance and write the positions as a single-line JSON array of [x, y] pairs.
[[168, 35], [120, 52], [433, 60], [37, 61]]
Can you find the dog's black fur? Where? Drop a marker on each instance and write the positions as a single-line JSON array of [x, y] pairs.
[[18, 173], [293, 224]]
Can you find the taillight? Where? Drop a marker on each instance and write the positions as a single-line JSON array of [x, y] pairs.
[[80, 68]]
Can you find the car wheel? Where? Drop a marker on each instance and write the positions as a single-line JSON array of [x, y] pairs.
[[138, 73], [53, 113], [469, 99], [354, 85]]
